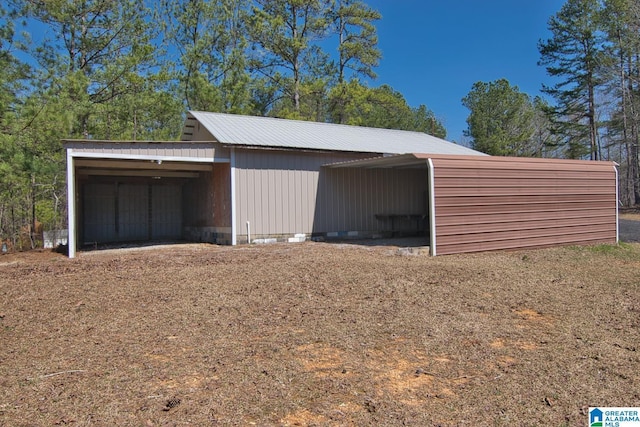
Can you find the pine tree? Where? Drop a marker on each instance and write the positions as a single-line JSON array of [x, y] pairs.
[[622, 23], [501, 119], [210, 40], [357, 38], [573, 54], [284, 33]]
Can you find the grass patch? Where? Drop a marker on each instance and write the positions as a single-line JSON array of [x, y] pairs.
[[621, 250]]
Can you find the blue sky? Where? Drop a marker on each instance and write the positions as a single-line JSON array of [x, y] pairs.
[[433, 51]]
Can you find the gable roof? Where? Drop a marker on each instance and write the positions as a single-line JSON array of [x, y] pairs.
[[232, 129]]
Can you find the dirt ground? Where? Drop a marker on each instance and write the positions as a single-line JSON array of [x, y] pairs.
[[317, 334]]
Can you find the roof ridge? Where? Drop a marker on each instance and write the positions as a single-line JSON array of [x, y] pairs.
[[316, 123], [261, 131]]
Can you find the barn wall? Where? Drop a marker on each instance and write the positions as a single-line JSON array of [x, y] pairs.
[[498, 203], [372, 201], [130, 210], [276, 190]]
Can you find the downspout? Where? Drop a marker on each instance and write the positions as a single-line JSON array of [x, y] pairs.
[[71, 204], [234, 231], [432, 208]]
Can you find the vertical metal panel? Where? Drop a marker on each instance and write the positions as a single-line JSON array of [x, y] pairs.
[[185, 150], [489, 203], [99, 218], [133, 212], [277, 191], [355, 196], [166, 212], [234, 205]]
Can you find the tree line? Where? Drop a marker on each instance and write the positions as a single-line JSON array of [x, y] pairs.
[[593, 107], [128, 70]]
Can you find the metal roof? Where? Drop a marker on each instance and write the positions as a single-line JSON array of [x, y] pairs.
[[272, 132], [419, 160]]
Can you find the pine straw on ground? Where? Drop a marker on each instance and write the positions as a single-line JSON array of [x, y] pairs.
[[318, 334]]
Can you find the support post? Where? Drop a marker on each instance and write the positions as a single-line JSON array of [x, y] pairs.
[[234, 230], [432, 208], [617, 207], [71, 204]]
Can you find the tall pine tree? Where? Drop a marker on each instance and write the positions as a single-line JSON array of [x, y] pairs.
[[573, 55]]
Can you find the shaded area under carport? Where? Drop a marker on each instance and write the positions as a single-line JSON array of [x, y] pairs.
[[629, 230]]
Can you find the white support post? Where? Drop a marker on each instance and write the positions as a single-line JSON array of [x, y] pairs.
[[432, 208], [71, 204], [234, 230], [617, 207]]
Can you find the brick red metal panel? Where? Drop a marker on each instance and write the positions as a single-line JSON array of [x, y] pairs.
[[492, 203]]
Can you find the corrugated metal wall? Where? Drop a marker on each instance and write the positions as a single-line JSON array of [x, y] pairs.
[[99, 212], [284, 193], [276, 190], [166, 212], [196, 150], [505, 203], [350, 199], [118, 212]]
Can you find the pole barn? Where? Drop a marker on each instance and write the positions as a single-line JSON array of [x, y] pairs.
[[238, 179]]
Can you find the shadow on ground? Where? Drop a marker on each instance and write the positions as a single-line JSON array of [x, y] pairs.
[[629, 230]]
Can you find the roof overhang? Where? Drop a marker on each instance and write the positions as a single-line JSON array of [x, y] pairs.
[[420, 160], [140, 159], [385, 162]]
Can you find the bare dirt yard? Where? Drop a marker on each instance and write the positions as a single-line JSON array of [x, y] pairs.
[[318, 334]]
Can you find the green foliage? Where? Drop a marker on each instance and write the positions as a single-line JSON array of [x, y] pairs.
[[209, 38], [574, 54], [126, 70], [501, 120], [358, 39], [355, 104], [621, 251], [284, 33]]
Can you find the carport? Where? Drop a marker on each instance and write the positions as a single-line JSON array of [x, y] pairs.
[[479, 203], [139, 191]]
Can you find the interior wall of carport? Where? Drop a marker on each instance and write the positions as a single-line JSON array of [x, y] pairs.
[[115, 209], [207, 206], [377, 202]]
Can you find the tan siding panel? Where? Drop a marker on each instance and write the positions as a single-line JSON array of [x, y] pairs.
[[277, 191], [284, 192], [491, 203], [205, 151]]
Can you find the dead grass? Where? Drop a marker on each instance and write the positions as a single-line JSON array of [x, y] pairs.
[[634, 216], [318, 334]]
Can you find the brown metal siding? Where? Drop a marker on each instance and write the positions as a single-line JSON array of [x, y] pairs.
[[498, 203]]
